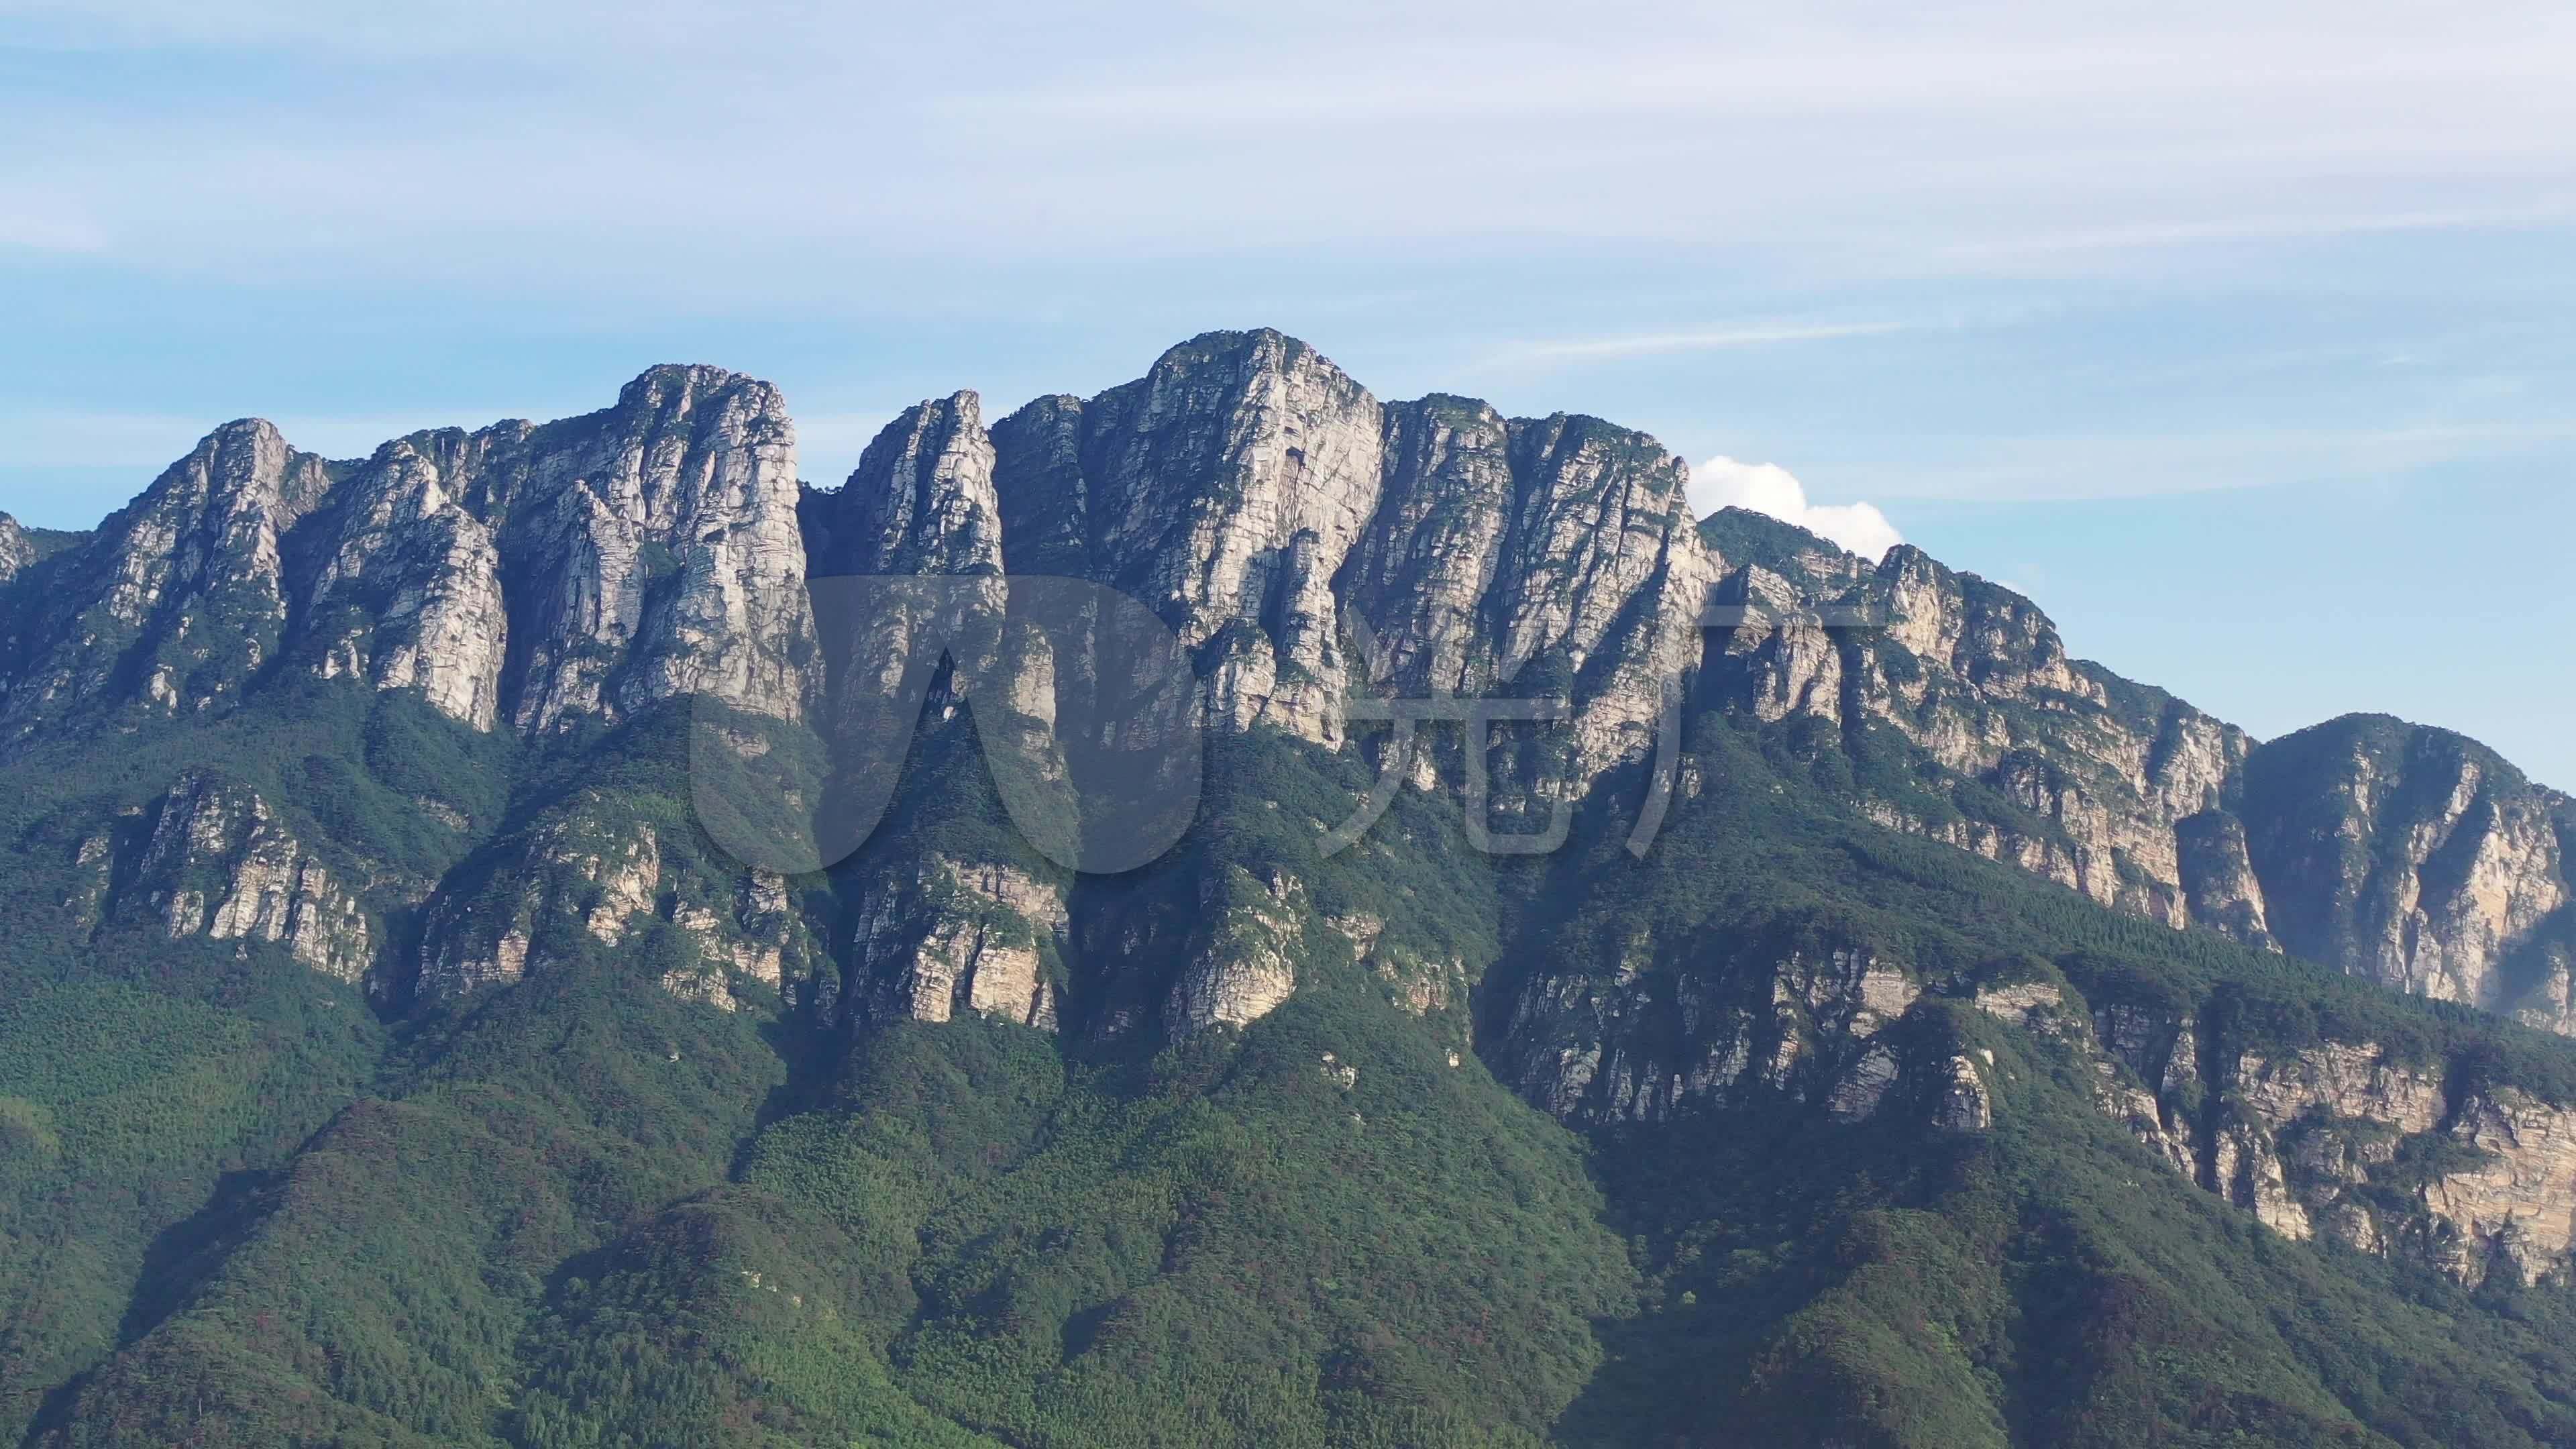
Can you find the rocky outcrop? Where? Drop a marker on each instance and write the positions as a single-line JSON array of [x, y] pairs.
[[2418, 859], [1426, 571], [17, 549], [2346, 1141], [180, 598], [570, 874], [592, 878], [921, 500], [2219, 885], [1269, 509], [1420, 984], [660, 543], [1224, 489], [2407, 855], [1243, 961], [921, 504], [2147, 1077], [747, 933], [522, 574], [1310, 546], [2349, 1142], [959, 937], [2063, 769], [404, 589], [220, 864], [1798, 1015], [2515, 1208], [2337, 1139]]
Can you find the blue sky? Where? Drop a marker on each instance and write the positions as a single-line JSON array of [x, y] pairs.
[[2243, 337]]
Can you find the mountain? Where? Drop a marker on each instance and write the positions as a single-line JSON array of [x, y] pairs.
[[454, 1001], [2410, 856]]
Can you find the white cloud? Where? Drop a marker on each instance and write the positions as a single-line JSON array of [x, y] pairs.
[[1723, 482]]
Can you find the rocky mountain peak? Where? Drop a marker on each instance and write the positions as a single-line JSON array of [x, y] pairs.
[[17, 549], [1243, 352], [921, 501], [681, 388], [2422, 859], [179, 599]]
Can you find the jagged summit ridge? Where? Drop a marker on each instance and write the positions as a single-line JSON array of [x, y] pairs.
[[1274, 512], [518, 574], [2411, 856]]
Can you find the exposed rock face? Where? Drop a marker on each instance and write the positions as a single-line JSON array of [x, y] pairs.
[[1244, 961], [2149, 1080], [180, 597], [2219, 884], [757, 935], [920, 502], [2110, 788], [2282, 1123], [2407, 855], [2311, 1141], [2419, 859], [406, 588], [2518, 1207], [1419, 984], [1427, 569], [568, 874], [1264, 504], [590, 873], [522, 573], [1801, 1017], [1275, 515], [1966, 1104], [1602, 568], [661, 538], [2324, 1140], [962, 937], [1224, 489], [220, 864], [2336, 1139], [17, 550]]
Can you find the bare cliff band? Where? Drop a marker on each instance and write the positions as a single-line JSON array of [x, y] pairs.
[[1091, 722]]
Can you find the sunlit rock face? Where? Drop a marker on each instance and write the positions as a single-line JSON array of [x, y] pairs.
[[2421, 860], [1311, 546], [17, 548], [220, 864], [521, 575], [2407, 855], [180, 598]]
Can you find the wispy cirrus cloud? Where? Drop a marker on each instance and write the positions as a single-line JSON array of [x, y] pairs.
[[1653, 344], [2077, 467], [148, 441], [531, 140]]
